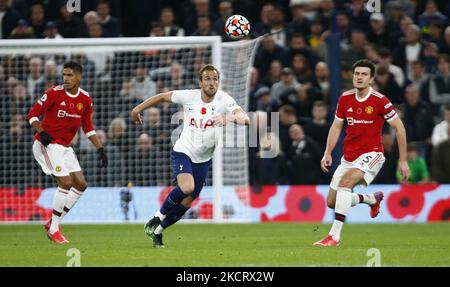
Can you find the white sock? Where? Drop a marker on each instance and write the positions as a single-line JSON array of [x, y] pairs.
[[367, 199], [160, 215], [58, 204], [343, 205], [158, 230], [355, 199], [71, 199]]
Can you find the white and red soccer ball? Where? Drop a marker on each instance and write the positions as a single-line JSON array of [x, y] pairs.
[[237, 27]]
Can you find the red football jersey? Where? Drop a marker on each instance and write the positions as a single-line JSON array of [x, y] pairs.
[[365, 119], [64, 113]]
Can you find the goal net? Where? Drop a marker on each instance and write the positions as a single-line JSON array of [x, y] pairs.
[[119, 74]]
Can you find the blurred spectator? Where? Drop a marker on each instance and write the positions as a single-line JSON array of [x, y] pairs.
[[394, 15], [265, 102], [273, 75], [420, 79], [156, 29], [325, 13], [204, 27], [8, 19], [304, 156], [278, 27], [37, 19], [440, 161], [167, 20], [263, 26], [343, 26], [397, 36], [109, 24], [387, 174], [417, 166], [114, 175], [300, 24], [255, 85], [436, 34], [225, 11], [446, 48], [440, 130], [301, 69], [409, 51], [430, 14], [268, 52], [385, 60], [430, 58], [34, 78], [321, 81], [440, 83], [359, 16], [201, 7], [387, 86], [408, 6], [350, 54], [117, 134], [287, 118], [418, 115], [315, 36], [50, 78], [22, 31], [270, 165], [318, 128], [143, 86], [287, 81], [378, 33], [141, 162], [51, 31], [298, 45], [95, 31], [69, 25], [19, 102]]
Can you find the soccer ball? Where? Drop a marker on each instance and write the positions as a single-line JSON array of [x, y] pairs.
[[237, 27]]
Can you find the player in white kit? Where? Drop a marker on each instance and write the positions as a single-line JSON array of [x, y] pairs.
[[204, 109]]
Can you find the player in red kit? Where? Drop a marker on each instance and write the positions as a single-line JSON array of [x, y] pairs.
[[365, 111], [64, 109]]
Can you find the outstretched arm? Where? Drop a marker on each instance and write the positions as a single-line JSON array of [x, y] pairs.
[[400, 133], [239, 117], [150, 102], [333, 136]]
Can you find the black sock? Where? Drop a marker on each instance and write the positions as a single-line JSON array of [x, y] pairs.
[[174, 215]]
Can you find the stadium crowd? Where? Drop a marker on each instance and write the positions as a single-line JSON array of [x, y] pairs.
[[409, 42]]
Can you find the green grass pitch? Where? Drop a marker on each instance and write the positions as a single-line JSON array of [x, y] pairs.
[[269, 244]]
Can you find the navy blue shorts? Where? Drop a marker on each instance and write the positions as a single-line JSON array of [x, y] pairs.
[[181, 163]]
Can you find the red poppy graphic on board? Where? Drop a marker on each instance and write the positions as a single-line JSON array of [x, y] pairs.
[[409, 200], [440, 211]]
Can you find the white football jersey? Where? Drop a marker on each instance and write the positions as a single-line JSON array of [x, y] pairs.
[[198, 138]]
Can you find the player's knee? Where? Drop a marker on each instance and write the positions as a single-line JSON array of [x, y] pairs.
[[331, 202], [80, 186], [187, 188], [187, 201], [65, 184]]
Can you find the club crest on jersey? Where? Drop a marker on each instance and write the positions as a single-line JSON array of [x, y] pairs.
[[201, 124], [369, 110], [79, 106], [203, 111]]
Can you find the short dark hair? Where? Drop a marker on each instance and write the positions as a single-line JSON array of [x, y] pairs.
[[320, 103], [208, 67], [74, 66], [364, 63]]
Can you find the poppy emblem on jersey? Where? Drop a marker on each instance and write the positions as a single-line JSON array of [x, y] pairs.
[[203, 111], [359, 110], [79, 106], [58, 168], [369, 110]]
